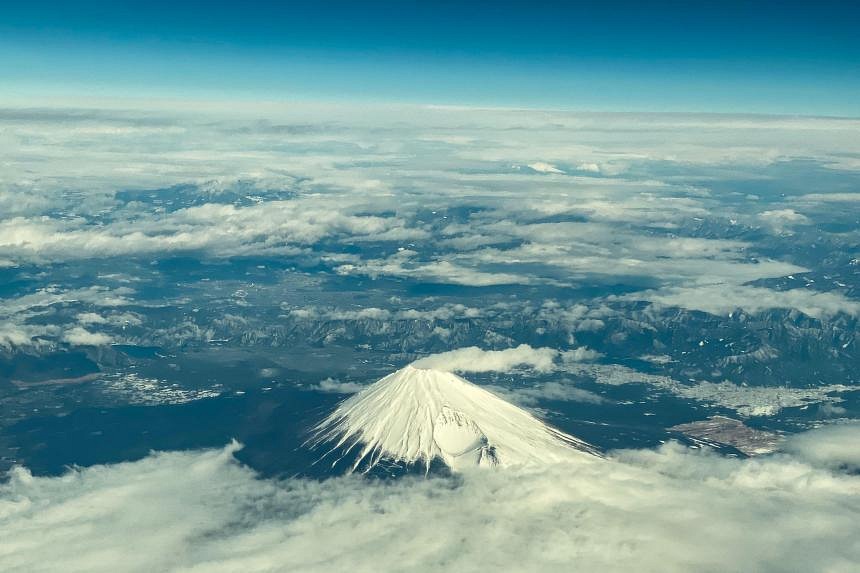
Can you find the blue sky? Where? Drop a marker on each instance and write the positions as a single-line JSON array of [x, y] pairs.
[[632, 56]]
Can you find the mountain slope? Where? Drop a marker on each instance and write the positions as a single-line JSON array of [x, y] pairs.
[[416, 415]]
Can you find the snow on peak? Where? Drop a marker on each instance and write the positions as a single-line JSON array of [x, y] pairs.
[[418, 414]]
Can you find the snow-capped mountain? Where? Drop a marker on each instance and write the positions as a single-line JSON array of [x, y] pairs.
[[418, 415]]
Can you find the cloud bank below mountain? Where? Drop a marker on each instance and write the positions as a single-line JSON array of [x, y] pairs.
[[671, 509]]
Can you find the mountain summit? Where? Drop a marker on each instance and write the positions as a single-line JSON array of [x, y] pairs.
[[417, 414]]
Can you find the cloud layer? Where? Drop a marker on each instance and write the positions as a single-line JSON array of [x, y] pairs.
[[455, 196], [668, 510]]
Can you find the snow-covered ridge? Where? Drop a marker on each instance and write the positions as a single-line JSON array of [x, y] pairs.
[[417, 414]]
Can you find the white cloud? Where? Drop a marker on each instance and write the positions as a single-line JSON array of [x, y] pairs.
[[579, 355], [372, 177], [113, 319], [743, 399], [79, 336], [669, 510], [474, 359], [578, 250], [52, 295], [543, 167], [531, 395], [16, 331], [91, 318], [333, 386], [18, 335], [446, 311], [784, 215], [434, 271], [783, 219], [725, 298], [370, 313], [829, 410], [222, 230], [829, 198], [833, 446], [588, 167]]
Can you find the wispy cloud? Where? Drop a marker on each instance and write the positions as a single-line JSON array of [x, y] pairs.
[[726, 298]]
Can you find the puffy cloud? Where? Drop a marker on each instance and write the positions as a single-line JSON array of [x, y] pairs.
[[221, 230], [665, 510], [91, 318], [543, 167], [474, 359], [833, 446], [782, 218], [15, 313], [829, 410], [17, 335], [333, 386], [370, 313], [579, 354], [588, 167], [79, 336]]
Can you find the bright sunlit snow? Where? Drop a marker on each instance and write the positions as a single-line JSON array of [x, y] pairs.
[[418, 414]]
